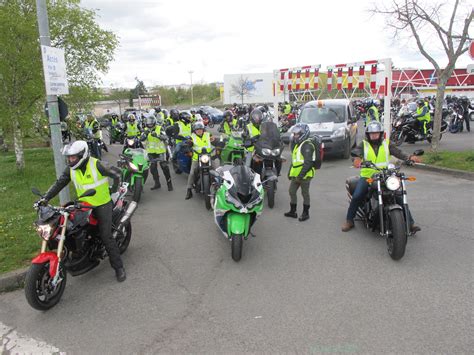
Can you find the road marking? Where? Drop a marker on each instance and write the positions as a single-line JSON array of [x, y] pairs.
[[14, 343]]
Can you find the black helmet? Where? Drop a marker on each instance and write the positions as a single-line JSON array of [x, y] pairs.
[[165, 113], [185, 117], [299, 132], [193, 112], [150, 121], [198, 125], [374, 127], [158, 109], [256, 117], [368, 102], [174, 114], [420, 102], [228, 115], [114, 115]]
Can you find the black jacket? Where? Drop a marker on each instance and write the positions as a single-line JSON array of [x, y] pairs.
[[65, 178], [307, 150]]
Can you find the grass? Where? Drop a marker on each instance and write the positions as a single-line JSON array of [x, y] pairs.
[[453, 160], [18, 239]]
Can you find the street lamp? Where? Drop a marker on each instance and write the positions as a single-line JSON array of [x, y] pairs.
[[192, 98]]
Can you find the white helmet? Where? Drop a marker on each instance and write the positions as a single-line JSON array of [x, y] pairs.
[[79, 149]]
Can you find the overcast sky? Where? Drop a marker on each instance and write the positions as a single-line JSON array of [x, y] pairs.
[[161, 41]]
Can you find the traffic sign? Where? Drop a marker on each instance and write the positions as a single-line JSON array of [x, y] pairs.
[[55, 75]]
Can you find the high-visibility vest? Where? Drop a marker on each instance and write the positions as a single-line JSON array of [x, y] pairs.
[[155, 145], [132, 129], [91, 179], [199, 143], [376, 113], [253, 131], [287, 109], [426, 117], [380, 160], [184, 130], [90, 125], [297, 161], [228, 127], [114, 121]]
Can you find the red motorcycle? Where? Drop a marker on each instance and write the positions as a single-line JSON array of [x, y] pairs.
[[71, 234]]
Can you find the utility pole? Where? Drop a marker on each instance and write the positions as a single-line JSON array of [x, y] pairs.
[[192, 98], [52, 101]]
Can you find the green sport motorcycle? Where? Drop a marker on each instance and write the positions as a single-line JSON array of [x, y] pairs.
[[238, 199], [135, 166], [233, 149]]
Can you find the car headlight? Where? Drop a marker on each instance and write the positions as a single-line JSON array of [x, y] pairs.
[[44, 231], [204, 159], [132, 166], [266, 151], [339, 132], [276, 152], [392, 183], [130, 141]]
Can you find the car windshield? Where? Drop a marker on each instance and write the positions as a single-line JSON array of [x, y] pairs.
[[322, 114]]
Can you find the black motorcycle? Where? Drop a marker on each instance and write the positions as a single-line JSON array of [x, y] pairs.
[[408, 129], [266, 160], [202, 182], [457, 118], [382, 211], [94, 144]]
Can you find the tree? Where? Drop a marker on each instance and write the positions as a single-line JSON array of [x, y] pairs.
[[242, 88], [429, 26], [119, 96], [88, 52]]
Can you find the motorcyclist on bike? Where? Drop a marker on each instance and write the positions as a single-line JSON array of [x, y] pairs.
[[229, 124], [174, 115], [199, 139], [377, 150], [423, 116], [114, 119], [133, 128], [372, 112], [89, 173], [92, 124], [252, 132], [182, 131]]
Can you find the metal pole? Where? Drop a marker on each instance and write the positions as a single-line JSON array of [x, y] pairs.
[[387, 97], [52, 100], [192, 98], [275, 96]]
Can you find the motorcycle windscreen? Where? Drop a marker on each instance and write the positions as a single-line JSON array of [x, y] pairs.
[[243, 183], [269, 136]]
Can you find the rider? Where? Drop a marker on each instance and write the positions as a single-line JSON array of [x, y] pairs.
[[86, 173], [377, 150], [133, 128], [167, 121], [156, 149], [193, 116], [92, 124], [302, 169], [183, 131], [286, 108], [423, 116], [159, 112], [114, 119], [252, 131], [229, 123], [200, 139], [174, 115], [372, 111]]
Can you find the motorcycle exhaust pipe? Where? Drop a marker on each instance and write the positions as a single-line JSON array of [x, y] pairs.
[[128, 213]]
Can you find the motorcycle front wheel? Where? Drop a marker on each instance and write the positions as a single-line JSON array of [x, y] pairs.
[[397, 241], [123, 239], [137, 189], [271, 193], [206, 191], [237, 242], [39, 291], [398, 138]]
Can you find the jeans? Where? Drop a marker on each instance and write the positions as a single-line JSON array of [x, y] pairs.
[[359, 196], [194, 169]]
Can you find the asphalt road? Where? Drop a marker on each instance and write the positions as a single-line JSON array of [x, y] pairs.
[[300, 287]]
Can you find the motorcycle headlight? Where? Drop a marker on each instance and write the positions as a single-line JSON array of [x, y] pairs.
[[392, 183], [204, 159], [233, 200], [266, 151], [133, 166], [339, 132], [44, 231], [398, 123], [130, 142], [276, 152]]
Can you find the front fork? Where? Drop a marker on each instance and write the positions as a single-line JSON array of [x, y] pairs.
[[405, 208], [379, 193], [62, 239]]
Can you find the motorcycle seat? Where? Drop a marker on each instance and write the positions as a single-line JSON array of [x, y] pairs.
[[351, 184]]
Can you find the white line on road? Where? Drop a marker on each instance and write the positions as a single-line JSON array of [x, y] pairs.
[[14, 343]]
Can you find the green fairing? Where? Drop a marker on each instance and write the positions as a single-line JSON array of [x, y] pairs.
[[228, 154], [139, 157], [238, 223]]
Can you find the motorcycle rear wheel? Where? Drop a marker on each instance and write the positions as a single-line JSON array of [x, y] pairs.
[[38, 290], [397, 241], [398, 138], [237, 242]]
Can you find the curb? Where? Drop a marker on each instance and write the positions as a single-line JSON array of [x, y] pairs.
[[12, 280], [446, 171]]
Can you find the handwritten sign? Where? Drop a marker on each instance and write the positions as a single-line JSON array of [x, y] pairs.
[[55, 75]]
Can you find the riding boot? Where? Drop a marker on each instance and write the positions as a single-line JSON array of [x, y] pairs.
[[170, 185], [166, 173], [189, 194], [292, 213], [305, 214], [157, 184]]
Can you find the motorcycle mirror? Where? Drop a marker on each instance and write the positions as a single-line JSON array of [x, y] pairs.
[[88, 193], [36, 191], [418, 152], [214, 173]]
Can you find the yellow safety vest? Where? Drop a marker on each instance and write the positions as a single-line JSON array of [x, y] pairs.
[[228, 128], [380, 160], [90, 125], [155, 145], [184, 130], [253, 131], [426, 117], [287, 109], [199, 143], [297, 161], [132, 130], [91, 179], [376, 113]]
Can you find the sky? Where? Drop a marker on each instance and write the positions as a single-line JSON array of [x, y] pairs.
[[162, 40]]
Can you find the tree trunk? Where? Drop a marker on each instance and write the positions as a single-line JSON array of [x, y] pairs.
[[442, 81], [18, 144]]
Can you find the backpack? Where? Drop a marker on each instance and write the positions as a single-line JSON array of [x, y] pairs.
[[319, 151]]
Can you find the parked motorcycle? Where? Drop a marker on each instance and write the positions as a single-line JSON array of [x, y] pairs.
[[232, 149], [71, 234], [457, 118], [117, 133], [266, 159], [381, 211], [203, 179], [183, 160], [135, 165], [238, 200], [406, 129]]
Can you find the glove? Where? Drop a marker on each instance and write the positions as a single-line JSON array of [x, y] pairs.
[[41, 202]]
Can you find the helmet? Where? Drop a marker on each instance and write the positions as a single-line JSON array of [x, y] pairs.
[[193, 112], [131, 117], [376, 102], [165, 113], [150, 121], [198, 125], [228, 115], [78, 149], [299, 132], [114, 115], [420, 102], [256, 117], [368, 102], [374, 127], [159, 120], [185, 117], [158, 109], [174, 114]]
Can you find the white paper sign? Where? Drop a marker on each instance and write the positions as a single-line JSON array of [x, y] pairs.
[[54, 67]]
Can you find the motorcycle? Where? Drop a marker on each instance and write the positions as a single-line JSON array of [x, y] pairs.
[[93, 143], [457, 118], [266, 158], [182, 163], [135, 165], [237, 196], [203, 182], [65, 133], [117, 133], [406, 128], [381, 211], [71, 234], [232, 149]]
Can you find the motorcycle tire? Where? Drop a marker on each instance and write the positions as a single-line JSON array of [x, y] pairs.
[[271, 194], [36, 279], [207, 191], [347, 150], [237, 242], [137, 189], [397, 241], [398, 138], [124, 243], [211, 124]]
